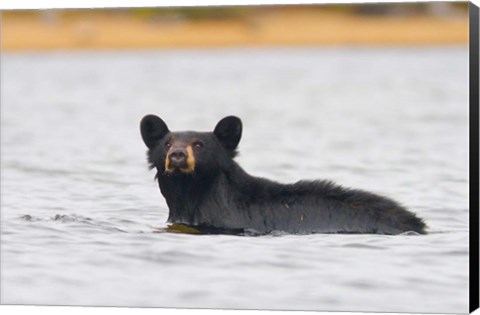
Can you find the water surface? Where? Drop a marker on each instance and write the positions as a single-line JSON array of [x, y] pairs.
[[80, 207]]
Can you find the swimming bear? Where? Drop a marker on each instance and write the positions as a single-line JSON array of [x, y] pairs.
[[206, 189]]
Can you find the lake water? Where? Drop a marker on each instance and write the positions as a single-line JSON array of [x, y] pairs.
[[80, 207]]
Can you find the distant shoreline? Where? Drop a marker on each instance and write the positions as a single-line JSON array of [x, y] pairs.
[[102, 31]]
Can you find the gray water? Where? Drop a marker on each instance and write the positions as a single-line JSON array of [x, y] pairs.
[[81, 212]]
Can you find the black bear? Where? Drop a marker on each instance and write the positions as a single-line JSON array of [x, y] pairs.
[[207, 190]]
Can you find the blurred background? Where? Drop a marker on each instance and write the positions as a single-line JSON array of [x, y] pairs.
[[379, 24]]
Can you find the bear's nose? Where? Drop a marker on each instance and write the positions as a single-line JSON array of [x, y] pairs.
[[178, 157]]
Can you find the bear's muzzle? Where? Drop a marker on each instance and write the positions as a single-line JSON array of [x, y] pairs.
[[181, 159]]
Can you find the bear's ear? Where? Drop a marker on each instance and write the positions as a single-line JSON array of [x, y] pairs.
[[153, 128], [229, 131]]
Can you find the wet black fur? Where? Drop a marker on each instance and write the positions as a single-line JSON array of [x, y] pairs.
[[220, 195]]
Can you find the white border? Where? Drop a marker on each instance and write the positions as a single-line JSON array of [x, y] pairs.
[[48, 4], [75, 310]]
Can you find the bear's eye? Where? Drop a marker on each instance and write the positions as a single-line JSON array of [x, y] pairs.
[[198, 145], [168, 144]]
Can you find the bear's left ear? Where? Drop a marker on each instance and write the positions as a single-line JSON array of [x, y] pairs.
[[229, 131], [152, 128]]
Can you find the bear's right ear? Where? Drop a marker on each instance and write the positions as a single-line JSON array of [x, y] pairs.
[[229, 131], [153, 128]]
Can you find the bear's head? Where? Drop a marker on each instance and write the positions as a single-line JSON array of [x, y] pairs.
[[188, 152]]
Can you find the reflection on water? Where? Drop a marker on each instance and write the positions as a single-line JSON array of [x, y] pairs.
[[80, 208]]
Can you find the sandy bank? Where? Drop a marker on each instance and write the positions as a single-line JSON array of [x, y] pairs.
[[104, 31]]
